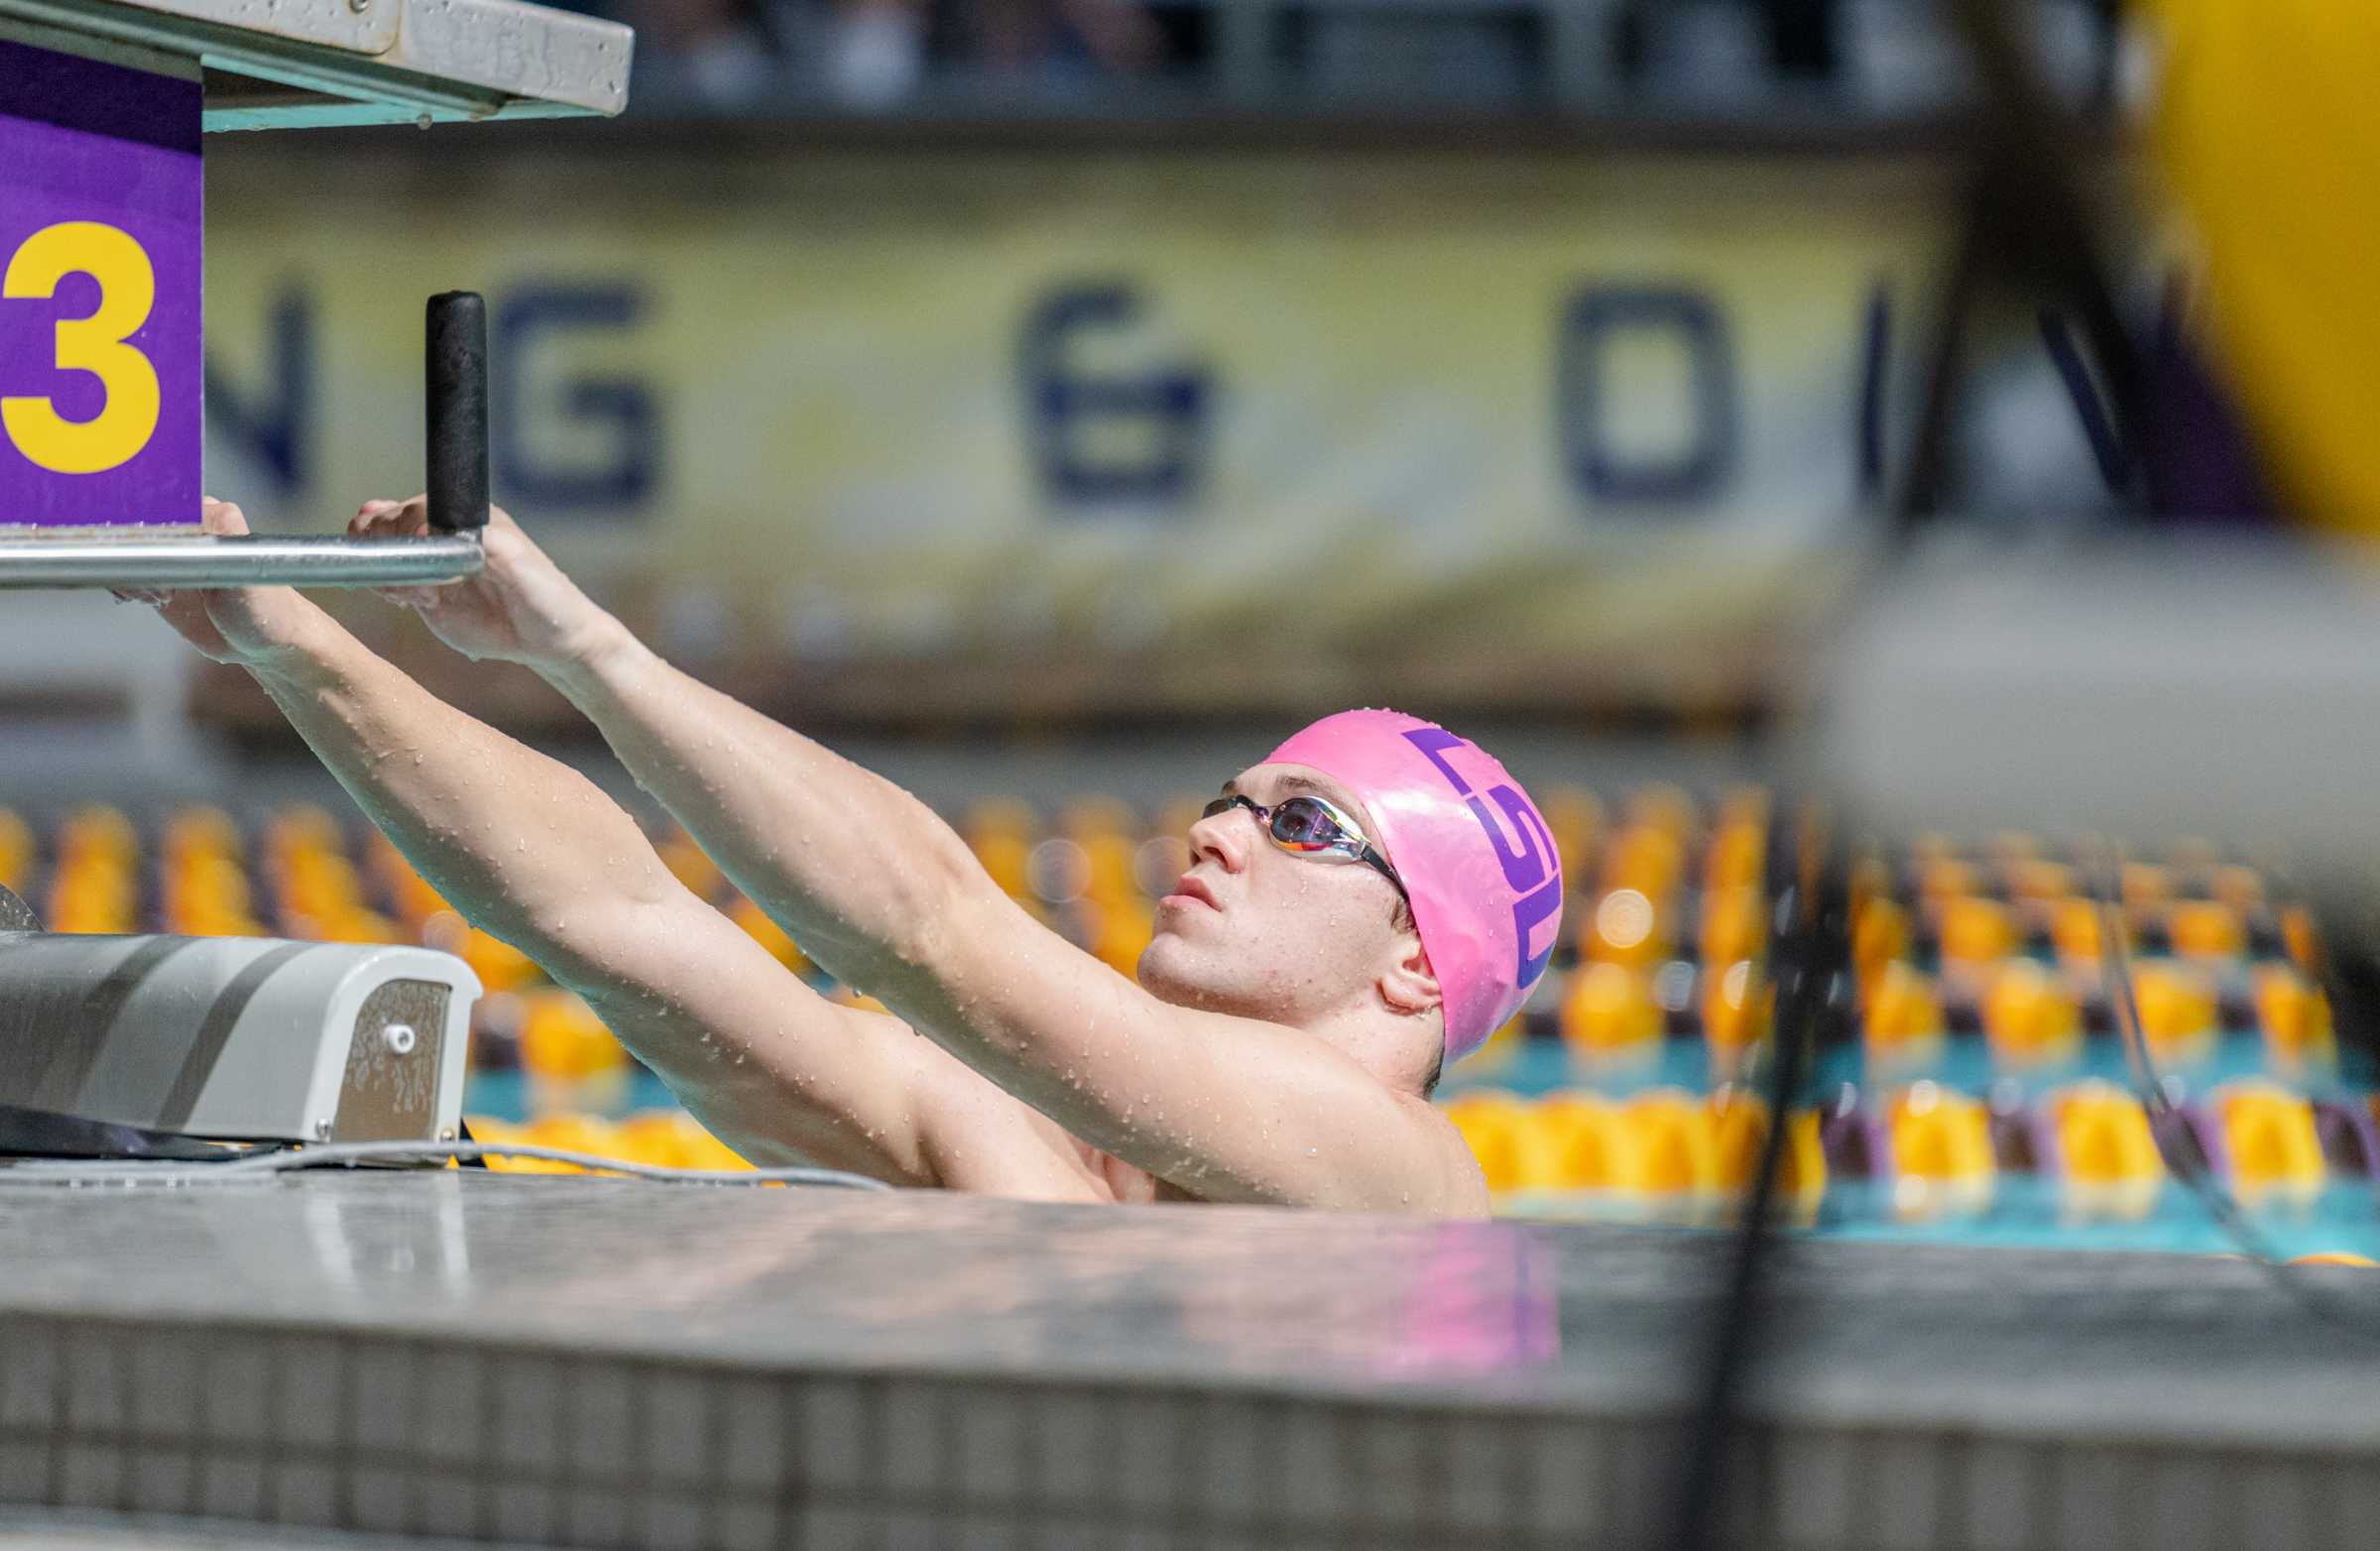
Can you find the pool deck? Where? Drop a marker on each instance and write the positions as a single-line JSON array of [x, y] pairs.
[[567, 1360]]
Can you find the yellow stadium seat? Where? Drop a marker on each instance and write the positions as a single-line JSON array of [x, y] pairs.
[[415, 901], [1655, 1151], [1748, 805], [2276, 1152], [1942, 879], [1610, 1020], [1738, 1006], [2038, 883], [1122, 933], [361, 926], [1086, 817], [1646, 858], [2030, 1018], [2113, 1167], [562, 1038], [1107, 856], [1977, 935], [658, 1137], [1942, 1154], [1563, 1143], [319, 884], [98, 833], [1576, 821], [1880, 936], [1491, 1122], [1740, 1121], [570, 1132], [194, 832], [1673, 1149], [703, 1150], [16, 852], [1734, 925], [1664, 807], [2177, 1012], [94, 894], [2074, 933], [1933, 846], [1008, 859], [500, 966], [1736, 859], [2205, 929], [2295, 1021], [2147, 890], [2298, 937], [301, 828], [2241, 887], [1901, 1026]]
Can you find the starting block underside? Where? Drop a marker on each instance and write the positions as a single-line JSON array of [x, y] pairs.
[[308, 64]]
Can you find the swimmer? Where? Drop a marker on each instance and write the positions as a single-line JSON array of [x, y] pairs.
[[1370, 902]]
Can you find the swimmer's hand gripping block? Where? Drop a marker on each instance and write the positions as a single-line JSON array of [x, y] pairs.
[[235, 1038], [455, 399]]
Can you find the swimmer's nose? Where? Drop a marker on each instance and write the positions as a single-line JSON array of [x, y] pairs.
[[1224, 836]]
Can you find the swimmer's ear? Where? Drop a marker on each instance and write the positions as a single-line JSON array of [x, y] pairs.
[[1410, 985]]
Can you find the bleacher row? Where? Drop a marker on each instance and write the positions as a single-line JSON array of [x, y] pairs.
[[1979, 1048]]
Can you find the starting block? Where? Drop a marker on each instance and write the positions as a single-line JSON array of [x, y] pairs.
[[104, 106], [149, 1045]]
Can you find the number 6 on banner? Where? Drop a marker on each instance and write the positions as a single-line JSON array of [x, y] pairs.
[[96, 344]]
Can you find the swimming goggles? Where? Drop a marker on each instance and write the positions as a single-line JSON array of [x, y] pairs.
[[1311, 827]]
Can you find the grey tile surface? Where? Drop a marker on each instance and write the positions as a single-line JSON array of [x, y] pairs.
[[608, 1365]]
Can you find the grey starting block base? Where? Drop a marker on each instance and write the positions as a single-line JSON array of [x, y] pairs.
[[543, 1361]]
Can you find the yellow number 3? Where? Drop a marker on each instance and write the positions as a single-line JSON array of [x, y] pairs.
[[94, 345]]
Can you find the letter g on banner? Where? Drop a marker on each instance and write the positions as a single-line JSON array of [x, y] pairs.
[[1151, 425]]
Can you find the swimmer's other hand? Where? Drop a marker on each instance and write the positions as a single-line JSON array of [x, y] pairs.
[[520, 608], [249, 627]]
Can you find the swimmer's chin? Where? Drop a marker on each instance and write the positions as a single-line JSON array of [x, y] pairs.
[[1163, 978]]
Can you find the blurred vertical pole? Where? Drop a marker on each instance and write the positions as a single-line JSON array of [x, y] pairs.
[[1810, 968], [2024, 226]]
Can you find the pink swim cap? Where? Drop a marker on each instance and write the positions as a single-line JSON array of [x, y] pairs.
[[1473, 852]]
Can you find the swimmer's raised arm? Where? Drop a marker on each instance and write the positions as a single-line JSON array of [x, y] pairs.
[[533, 853], [881, 891]]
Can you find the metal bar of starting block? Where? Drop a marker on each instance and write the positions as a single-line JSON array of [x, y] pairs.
[[251, 560], [455, 452]]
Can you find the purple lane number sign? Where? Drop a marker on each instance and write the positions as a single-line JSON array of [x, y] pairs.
[[101, 221]]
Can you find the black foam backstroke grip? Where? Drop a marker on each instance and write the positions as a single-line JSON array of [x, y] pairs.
[[455, 372]]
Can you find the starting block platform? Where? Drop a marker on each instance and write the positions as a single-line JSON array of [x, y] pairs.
[[103, 104], [453, 1356], [313, 64]]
